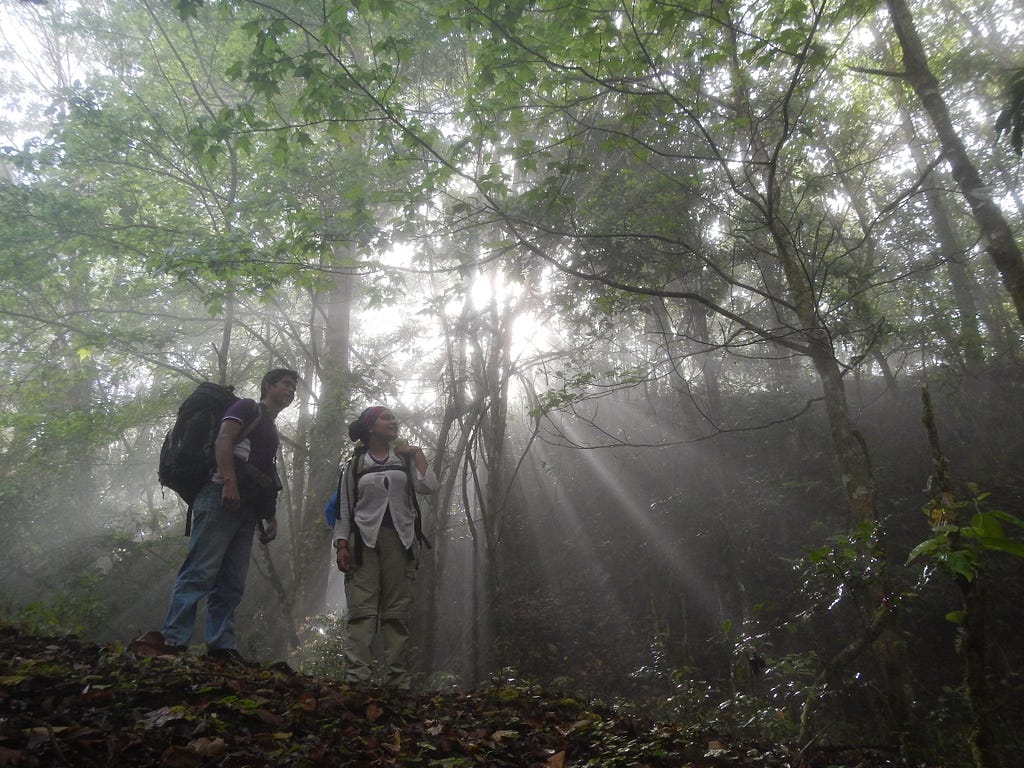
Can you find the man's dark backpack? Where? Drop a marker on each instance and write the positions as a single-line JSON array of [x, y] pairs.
[[186, 456]]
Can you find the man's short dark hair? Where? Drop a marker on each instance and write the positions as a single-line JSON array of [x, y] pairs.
[[272, 377]]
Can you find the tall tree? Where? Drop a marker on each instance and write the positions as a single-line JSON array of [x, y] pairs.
[[1000, 241]]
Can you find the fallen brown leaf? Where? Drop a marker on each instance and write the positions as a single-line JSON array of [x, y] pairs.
[[207, 747], [180, 757]]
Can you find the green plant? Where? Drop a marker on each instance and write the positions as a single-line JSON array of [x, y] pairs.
[[444, 681], [959, 548], [321, 652], [77, 610], [841, 569]]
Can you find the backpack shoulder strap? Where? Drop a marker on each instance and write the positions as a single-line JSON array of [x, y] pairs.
[[209, 393], [350, 479], [414, 502], [247, 428], [350, 476]]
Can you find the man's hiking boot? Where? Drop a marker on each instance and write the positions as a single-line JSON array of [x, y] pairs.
[[230, 656], [153, 644]]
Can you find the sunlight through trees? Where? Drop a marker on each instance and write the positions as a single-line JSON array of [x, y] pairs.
[[656, 284]]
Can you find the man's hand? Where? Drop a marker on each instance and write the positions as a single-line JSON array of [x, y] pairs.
[[230, 499], [224, 451], [268, 530]]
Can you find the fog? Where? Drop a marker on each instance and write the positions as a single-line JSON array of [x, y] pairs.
[[659, 301]]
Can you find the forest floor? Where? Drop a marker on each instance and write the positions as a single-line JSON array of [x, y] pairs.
[[64, 702]]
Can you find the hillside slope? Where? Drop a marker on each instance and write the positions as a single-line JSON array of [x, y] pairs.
[[66, 702]]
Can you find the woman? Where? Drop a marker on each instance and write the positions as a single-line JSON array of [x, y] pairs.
[[375, 540]]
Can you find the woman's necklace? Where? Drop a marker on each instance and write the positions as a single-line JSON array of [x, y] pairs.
[[380, 462]]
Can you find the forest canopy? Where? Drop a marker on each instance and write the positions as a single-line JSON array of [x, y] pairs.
[[708, 316]]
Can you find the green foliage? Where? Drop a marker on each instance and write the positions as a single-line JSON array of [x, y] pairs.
[[765, 708], [1010, 120], [78, 610], [443, 681], [321, 652], [842, 567], [236, 174], [583, 386], [571, 391], [960, 549], [187, 9]]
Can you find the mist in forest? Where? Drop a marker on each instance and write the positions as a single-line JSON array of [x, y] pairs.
[[709, 325], [710, 568]]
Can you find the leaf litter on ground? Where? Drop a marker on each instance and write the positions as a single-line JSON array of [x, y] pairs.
[[66, 702]]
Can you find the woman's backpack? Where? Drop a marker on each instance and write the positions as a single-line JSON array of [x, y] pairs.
[[348, 483]]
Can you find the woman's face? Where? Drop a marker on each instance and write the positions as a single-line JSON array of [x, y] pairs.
[[386, 426]]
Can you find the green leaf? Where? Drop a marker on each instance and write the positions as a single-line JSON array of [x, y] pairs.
[[963, 563], [1002, 544], [188, 9]]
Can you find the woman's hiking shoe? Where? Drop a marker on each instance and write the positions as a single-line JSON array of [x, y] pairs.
[[153, 644], [229, 656]]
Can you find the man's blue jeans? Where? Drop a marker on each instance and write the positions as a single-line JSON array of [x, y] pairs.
[[215, 568]]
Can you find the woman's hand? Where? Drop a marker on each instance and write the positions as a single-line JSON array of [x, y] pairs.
[[417, 454]]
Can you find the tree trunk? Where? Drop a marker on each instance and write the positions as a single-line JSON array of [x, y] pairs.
[[488, 457], [999, 239], [851, 455], [327, 440], [954, 256], [448, 645]]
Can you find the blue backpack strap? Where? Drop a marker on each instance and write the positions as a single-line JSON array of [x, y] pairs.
[[333, 507], [348, 484]]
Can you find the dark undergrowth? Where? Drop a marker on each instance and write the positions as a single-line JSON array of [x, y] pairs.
[[65, 702]]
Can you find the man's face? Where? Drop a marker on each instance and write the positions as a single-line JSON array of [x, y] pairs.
[[282, 391]]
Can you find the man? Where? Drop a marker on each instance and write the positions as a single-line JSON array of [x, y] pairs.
[[241, 494]]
